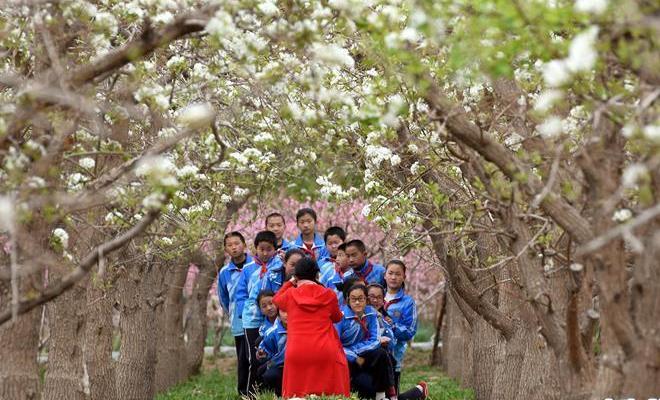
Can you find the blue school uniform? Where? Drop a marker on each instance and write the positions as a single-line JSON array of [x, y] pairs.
[[228, 279], [371, 273], [321, 253], [252, 316], [358, 336], [333, 279], [265, 326], [274, 278], [385, 330], [403, 311], [274, 344]]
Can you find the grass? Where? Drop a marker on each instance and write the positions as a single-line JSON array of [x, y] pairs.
[[219, 382]]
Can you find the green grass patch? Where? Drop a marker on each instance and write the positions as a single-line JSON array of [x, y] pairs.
[[219, 382]]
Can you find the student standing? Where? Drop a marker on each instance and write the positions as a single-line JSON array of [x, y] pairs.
[[401, 311], [333, 237], [265, 260], [362, 267], [314, 359], [309, 240], [271, 351], [275, 223], [228, 279]]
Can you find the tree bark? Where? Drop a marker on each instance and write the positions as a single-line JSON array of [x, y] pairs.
[[66, 317], [442, 311], [171, 356], [138, 298]]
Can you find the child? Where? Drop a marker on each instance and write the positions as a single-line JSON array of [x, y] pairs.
[[278, 276], [276, 224], [265, 260], [362, 267], [228, 279], [271, 351], [268, 309], [358, 331], [334, 237], [401, 310], [309, 240], [376, 298]]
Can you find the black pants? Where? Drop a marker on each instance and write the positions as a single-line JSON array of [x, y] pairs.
[[251, 339], [271, 377], [243, 364], [412, 394], [375, 375]]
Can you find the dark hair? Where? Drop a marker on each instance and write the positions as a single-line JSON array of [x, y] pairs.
[[265, 236], [264, 293], [348, 283], [291, 252], [306, 268], [334, 231], [342, 247], [376, 285], [357, 243], [396, 262], [233, 234], [305, 211], [273, 214]]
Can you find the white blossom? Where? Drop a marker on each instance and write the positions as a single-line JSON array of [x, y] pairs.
[[591, 6], [263, 137], [187, 170], [87, 162], [225, 198], [153, 201], [366, 210], [622, 215], [414, 169], [197, 115], [652, 132], [159, 168], [268, 8], [555, 73], [166, 240], [240, 192], [551, 127], [632, 174], [547, 99], [582, 54], [333, 55], [327, 188], [62, 237]]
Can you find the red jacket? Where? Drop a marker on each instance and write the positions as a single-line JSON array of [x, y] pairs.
[[314, 362]]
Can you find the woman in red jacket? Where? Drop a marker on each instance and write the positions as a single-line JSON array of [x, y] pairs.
[[314, 361]]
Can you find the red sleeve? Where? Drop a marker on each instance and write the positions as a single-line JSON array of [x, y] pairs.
[[281, 298], [335, 313]]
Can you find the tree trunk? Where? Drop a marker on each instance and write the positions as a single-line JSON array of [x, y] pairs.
[[19, 341], [98, 342], [171, 356], [137, 300], [442, 311], [66, 317], [197, 322]]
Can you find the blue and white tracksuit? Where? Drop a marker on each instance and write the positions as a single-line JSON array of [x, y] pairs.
[[286, 246], [403, 311], [228, 280], [252, 316], [385, 330], [274, 278], [332, 279], [321, 253], [371, 273], [265, 326], [274, 344], [358, 336]]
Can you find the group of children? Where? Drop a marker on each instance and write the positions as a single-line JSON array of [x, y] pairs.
[[379, 318]]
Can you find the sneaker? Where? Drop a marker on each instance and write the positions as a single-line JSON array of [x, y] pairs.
[[425, 388]]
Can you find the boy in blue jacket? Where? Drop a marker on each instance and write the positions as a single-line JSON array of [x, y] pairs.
[[271, 352], [362, 267], [251, 284], [333, 237], [228, 278], [275, 223], [279, 275], [309, 240]]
